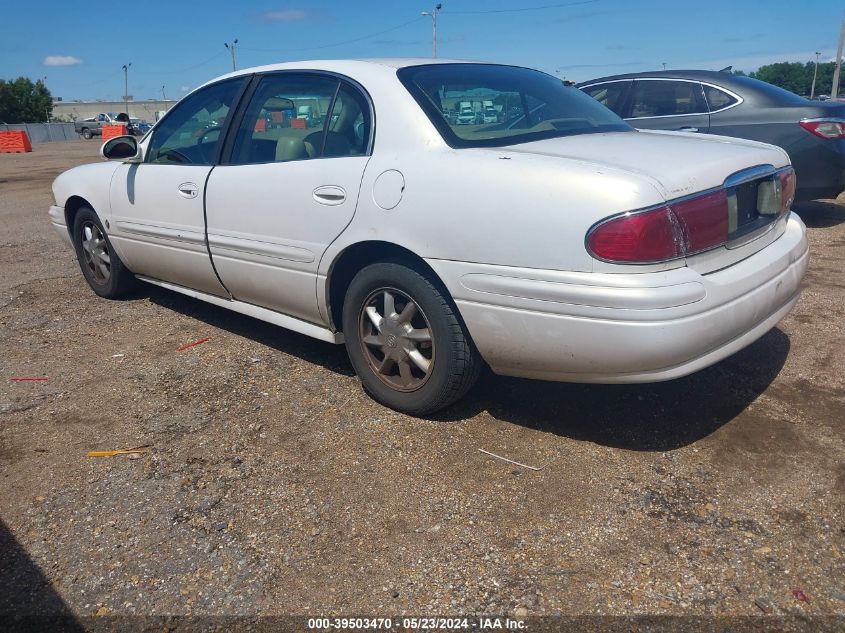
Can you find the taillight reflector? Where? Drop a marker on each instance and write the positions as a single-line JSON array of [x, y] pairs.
[[825, 128]]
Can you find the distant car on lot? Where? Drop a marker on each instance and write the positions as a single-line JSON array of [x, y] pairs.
[[92, 126], [568, 246], [812, 132]]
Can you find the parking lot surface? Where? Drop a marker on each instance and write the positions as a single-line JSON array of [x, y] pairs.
[[273, 485]]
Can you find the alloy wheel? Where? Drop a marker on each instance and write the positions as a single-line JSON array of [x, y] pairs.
[[95, 251], [396, 338]]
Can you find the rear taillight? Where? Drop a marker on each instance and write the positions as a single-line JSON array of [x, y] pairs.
[[687, 226], [704, 221], [649, 236], [787, 189], [825, 128]]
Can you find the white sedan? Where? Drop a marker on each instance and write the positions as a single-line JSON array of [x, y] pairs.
[[557, 243]]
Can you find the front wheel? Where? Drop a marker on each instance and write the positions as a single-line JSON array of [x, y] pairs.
[[405, 340], [100, 265]]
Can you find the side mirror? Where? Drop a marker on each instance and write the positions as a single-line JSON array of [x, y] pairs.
[[123, 148]]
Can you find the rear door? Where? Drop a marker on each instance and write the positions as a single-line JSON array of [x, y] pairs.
[[287, 186], [668, 104]]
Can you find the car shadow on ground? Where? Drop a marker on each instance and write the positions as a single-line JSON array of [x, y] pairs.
[[645, 417], [28, 601], [648, 417], [820, 214]]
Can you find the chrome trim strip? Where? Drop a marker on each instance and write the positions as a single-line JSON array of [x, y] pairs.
[[739, 99], [263, 314], [747, 175]]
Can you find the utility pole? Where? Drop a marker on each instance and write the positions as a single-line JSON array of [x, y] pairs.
[[834, 89], [126, 87], [664, 65], [433, 15], [163, 98], [815, 74], [231, 48]]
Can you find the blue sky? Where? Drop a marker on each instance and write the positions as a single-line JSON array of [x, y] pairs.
[[81, 47]]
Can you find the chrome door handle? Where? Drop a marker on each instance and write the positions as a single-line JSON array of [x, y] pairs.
[[188, 190], [330, 195], [687, 129]]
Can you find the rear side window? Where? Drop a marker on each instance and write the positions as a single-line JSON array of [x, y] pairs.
[[610, 95], [718, 99], [666, 98]]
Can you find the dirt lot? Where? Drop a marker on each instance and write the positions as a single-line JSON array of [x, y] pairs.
[[275, 486]]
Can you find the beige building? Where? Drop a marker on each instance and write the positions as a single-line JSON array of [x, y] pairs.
[[78, 110]]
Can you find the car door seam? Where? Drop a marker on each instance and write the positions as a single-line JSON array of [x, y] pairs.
[[205, 232]]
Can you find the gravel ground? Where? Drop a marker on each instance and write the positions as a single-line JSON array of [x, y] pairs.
[[274, 486]]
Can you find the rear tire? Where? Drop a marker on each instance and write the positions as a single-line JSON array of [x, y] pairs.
[[100, 265], [405, 340], [86, 134]]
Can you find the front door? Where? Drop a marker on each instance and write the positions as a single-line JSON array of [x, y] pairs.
[[287, 188], [157, 213]]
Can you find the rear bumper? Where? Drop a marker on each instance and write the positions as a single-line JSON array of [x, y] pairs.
[[820, 168], [57, 219], [624, 328]]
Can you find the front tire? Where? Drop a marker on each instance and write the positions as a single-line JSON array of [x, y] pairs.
[[405, 340], [100, 265]]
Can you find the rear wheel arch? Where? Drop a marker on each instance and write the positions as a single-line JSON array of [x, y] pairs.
[[356, 257]]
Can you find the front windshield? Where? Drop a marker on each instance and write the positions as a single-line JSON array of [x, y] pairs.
[[486, 105]]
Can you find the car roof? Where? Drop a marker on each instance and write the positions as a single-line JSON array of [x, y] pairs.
[[740, 84], [393, 63], [701, 75]]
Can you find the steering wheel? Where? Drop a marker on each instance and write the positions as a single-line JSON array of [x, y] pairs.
[[216, 128], [174, 156]]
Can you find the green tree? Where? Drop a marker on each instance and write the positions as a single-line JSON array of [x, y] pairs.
[[797, 77], [24, 101]]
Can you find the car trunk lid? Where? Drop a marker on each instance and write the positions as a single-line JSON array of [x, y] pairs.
[[682, 165]]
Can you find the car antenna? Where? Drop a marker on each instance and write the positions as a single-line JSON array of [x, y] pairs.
[[727, 69]]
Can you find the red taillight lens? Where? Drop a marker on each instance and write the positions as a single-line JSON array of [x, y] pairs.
[[828, 128], [704, 220], [787, 189], [651, 236], [682, 228]]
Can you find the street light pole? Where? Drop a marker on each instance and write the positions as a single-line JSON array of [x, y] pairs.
[[126, 87], [664, 65], [231, 48], [433, 15], [163, 97], [815, 73]]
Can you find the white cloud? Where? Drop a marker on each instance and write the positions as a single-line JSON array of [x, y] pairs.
[[284, 15], [61, 60]]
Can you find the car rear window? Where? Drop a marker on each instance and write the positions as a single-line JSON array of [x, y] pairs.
[[487, 105]]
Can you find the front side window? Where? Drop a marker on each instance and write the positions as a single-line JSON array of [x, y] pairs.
[[485, 105], [718, 99], [610, 95], [666, 98], [191, 132], [297, 116]]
